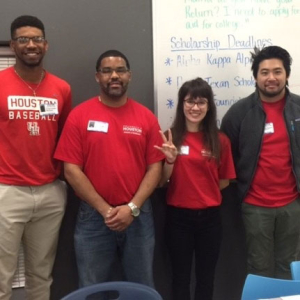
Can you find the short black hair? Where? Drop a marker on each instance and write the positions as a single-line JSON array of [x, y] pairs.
[[113, 53], [268, 53], [25, 20]]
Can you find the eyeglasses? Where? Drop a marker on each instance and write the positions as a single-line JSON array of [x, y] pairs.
[[27, 39], [109, 71], [189, 103]]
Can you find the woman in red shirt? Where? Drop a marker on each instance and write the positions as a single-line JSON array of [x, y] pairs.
[[198, 164]]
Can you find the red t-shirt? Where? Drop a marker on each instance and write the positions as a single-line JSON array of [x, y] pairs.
[[274, 183], [28, 138], [114, 145], [194, 182]]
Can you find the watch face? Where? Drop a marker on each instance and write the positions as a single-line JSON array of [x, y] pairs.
[[136, 212]]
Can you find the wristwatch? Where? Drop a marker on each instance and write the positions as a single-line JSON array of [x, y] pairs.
[[135, 211]]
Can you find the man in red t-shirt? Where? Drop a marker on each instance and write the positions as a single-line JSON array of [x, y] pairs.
[[110, 161], [34, 105], [264, 130]]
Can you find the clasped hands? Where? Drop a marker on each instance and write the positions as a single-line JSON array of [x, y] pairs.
[[118, 218]]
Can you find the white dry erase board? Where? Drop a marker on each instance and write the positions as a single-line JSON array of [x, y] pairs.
[[212, 39]]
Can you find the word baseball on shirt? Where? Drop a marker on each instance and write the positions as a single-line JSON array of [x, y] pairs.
[[32, 108]]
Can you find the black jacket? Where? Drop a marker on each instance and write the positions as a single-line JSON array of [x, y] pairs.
[[244, 124]]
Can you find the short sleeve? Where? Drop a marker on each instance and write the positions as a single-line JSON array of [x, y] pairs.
[[69, 148], [226, 167], [153, 138]]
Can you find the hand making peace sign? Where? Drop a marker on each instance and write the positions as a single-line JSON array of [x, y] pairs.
[[168, 148]]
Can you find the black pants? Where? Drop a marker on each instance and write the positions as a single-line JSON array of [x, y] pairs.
[[193, 231]]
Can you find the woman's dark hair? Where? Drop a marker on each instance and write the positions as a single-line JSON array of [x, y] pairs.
[[198, 88]]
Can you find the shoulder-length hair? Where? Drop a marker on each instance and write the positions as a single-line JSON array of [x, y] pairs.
[[197, 88]]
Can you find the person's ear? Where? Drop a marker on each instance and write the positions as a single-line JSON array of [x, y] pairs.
[[12, 45], [46, 45]]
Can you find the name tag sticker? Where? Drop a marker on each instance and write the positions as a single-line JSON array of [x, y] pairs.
[[48, 109], [97, 126], [184, 150], [269, 128]]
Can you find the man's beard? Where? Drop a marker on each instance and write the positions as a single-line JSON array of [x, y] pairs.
[[115, 92], [270, 94]]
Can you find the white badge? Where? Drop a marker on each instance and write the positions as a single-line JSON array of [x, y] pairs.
[[184, 150], [48, 109], [97, 126], [269, 128]]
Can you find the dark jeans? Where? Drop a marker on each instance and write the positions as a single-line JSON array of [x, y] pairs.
[[96, 247], [191, 232]]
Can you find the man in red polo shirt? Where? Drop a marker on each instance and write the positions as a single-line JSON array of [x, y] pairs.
[[110, 161]]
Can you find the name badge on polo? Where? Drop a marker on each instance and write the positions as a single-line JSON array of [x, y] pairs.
[[184, 150], [97, 126], [269, 128], [48, 109]]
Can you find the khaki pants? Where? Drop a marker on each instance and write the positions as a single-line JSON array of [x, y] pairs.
[[32, 214]]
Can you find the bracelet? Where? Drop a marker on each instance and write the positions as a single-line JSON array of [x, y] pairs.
[[169, 163]]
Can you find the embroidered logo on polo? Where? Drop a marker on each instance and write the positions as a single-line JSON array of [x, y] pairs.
[[205, 153], [129, 129]]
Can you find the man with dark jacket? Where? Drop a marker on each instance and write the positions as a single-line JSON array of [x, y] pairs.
[[264, 129]]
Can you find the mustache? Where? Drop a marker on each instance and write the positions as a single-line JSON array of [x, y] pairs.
[[28, 51], [115, 81]]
